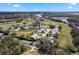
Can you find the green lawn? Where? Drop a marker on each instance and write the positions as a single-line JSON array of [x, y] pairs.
[[51, 22], [65, 38], [7, 25], [27, 22]]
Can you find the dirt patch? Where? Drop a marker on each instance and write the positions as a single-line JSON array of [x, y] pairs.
[[24, 33]]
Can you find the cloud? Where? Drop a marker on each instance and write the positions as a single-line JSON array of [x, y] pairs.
[[36, 10], [16, 5], [9, 4], [13, 5], [70, 7], [73, 3]]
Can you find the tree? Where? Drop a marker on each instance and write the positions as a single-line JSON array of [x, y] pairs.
[[45, 46], [13, 34], [9, 45], [60, 27], [51, 26], [75, 35], [1, 28], [24, 23]]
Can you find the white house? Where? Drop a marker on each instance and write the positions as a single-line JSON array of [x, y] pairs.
[[35, 36], [51, 39], [1, 34], [41, 33], [46, 32], [26, 27], [55, 30], [17, 29]]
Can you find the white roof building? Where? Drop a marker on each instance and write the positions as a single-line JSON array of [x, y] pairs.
[[77, 27], [55, 30], [1, 34], [39, 34], [17, 29], [26, 27], [46, 32], [38, 15], [36, 36]]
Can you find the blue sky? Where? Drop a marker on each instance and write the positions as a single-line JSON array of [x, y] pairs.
[[54, 7]]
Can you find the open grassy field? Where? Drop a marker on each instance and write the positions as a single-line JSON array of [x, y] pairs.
[[7, 25], [65, 38], [27, 22], [51, 22]]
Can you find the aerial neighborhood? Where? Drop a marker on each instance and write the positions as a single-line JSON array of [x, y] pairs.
[[38, 33]]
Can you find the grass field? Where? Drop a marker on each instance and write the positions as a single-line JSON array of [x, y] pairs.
[[51, 22], [7, 25], [65, 38]]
